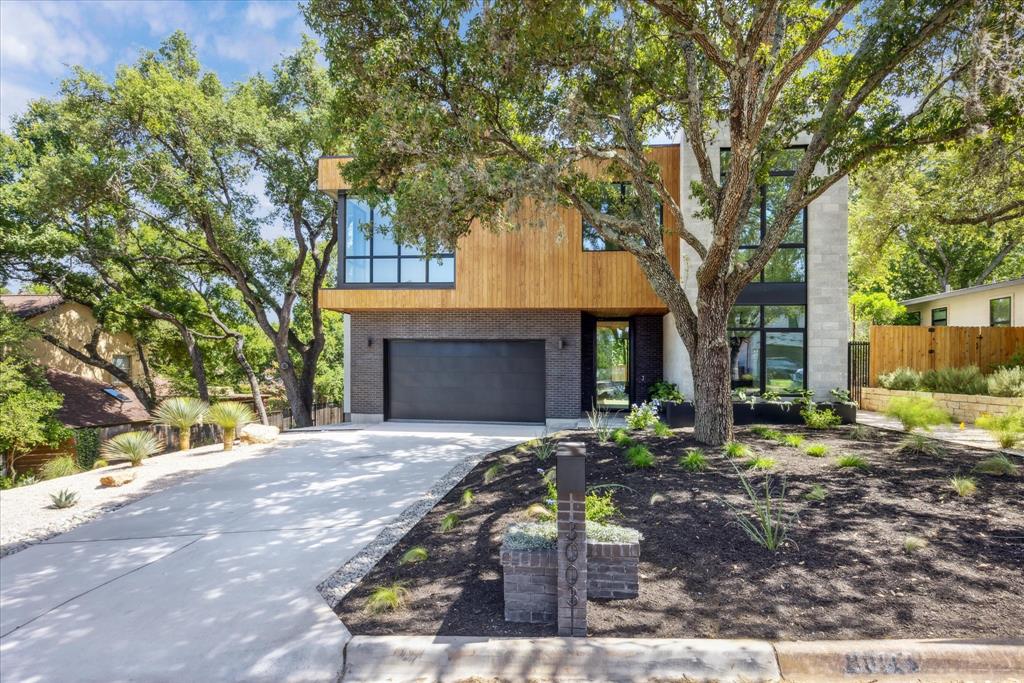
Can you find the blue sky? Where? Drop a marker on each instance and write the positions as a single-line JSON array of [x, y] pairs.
[[40, 40]]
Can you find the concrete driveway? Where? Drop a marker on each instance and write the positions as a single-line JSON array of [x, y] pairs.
[[214, 579]]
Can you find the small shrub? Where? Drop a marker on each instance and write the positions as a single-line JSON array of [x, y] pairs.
[[621, 438], [546, 448], [762, 463], [665, 391], [996, 466], [1007, 382], [965, 487], [99, 464], [87, 447], [63, 499], [966, 380], [493, 472], [817, 450], [854, 462], [599, 507], [467, 498], [693, 461], [735, 449], [639, 457], [61, 466], [841, 395], [916, 412], [911, 544], [1008, 430], [918, 444], [900, 379], [539, 512], [387, 599], [643, 416], [766, 523], [792, 440], [449, 522], [821, 419], [657, 498], [817, 493], [661, 429], [859, 432], [413, 555], [767, 432]]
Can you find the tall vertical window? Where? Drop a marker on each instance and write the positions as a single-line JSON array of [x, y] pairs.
[[370, 255], [789, 262], [939, 317], [999, 312], [621, 197], [768, 348]]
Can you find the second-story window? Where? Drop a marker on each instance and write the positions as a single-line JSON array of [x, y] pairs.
[[789, 262], [372, 257], [621, 198]]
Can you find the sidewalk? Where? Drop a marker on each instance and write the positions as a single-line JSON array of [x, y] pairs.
[[970, 435]]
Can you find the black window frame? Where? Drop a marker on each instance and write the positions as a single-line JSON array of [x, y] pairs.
[[621, 184], [914, 317], [398, 257], [945, 317], [763, 332], [762, 191], [992, 315]]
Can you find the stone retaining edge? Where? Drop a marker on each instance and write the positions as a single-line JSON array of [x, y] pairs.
[[461, 659]]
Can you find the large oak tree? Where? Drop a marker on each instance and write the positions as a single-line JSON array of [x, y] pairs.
[[460, 110]]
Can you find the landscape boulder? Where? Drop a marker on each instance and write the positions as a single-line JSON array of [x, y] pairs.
[[117, 479], [258, 433]]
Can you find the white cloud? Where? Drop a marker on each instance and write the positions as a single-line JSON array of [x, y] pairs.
[[266, 14], [46, 36], [14, 99]]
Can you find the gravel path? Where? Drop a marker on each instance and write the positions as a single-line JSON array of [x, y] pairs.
[[26, 515]]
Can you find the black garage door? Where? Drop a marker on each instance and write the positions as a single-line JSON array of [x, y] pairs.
[[483, 381]]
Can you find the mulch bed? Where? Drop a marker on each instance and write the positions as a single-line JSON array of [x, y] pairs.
[[845, 574]]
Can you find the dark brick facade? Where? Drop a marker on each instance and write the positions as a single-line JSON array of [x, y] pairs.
[[560, 330], [647, 354], [588, 361]]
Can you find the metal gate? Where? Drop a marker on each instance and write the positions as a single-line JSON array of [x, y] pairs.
[[858, 363]]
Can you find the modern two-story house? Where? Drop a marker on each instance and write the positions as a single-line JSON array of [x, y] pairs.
[[541, 324]]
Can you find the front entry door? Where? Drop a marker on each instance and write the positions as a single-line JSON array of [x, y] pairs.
[[611, 365]]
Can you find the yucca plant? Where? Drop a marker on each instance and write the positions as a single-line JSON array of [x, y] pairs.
[[133, 447], [181, 413], [64, 499], [767, 523], [230, 417]]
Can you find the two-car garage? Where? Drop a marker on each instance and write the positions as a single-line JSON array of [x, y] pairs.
[[464, 380]]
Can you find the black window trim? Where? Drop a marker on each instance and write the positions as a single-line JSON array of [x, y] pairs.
[[763, 332], [343, 258], [991, 313], [945, 320], [583, 221]]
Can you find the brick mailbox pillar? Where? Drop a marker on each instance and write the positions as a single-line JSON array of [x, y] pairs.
[[570, 478]]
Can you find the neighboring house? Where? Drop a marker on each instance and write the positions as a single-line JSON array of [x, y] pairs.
[[1000, 304], [73, 324], [542, 323]]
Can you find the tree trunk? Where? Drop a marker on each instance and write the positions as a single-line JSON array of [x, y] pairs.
[[195, 355], [250, 374], [709, 363], [293, 389]]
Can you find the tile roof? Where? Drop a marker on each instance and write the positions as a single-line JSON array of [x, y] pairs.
[[89, 403]]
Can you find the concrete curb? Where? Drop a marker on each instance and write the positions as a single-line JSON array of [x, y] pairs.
[[467, 659]]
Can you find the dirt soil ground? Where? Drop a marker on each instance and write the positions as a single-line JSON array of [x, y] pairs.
[[846, 573]]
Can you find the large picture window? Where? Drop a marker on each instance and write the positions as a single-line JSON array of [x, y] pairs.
[[621, 198], [768, 348], [370, 255], [789, 262], [999, 312]]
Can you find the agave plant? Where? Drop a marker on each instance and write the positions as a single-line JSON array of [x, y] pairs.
[[132, 446], [181, 413], [230, 417], [64, 498]]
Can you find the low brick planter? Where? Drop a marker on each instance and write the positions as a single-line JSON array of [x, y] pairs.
[[531, 579], [961, 407]]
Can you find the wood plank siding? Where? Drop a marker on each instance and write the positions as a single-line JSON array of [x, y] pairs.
[[529, 268]]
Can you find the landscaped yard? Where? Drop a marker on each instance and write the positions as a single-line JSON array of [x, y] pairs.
[[886, 548]]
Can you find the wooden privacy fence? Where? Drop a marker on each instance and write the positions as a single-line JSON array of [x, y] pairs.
[[323, 414], [934, 348]]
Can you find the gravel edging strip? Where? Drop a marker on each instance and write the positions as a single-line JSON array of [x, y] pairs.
[[336, 586]]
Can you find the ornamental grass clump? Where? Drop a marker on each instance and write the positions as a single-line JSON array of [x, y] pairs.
[[449, 522], [767, 432], [466, 499], [61, 466], [919, 444], [230, 417], [662, 430], [965, 487], [1007, 430], [621, 438], [762, 463], [693, 461], [181, 413], [735, 449], [387, 598], [817, 493], [792, 440], [817, 450], [413, 556], [639, 457], [765, 522], [996, 466], [493, 472], [132, 446], [912, 544], [916, 412], [852, 462]]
